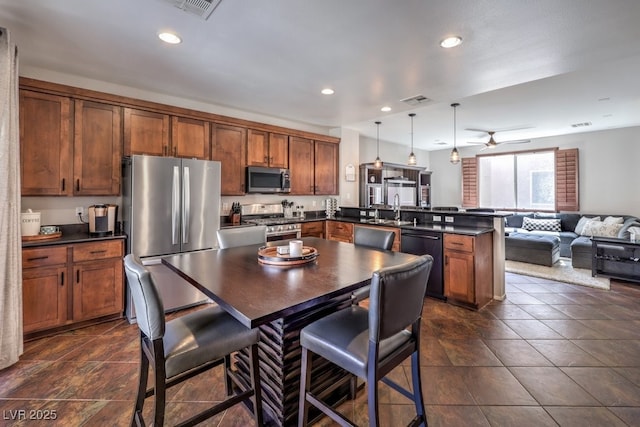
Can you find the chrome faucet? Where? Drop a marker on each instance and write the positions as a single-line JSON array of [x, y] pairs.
[[396, 206]]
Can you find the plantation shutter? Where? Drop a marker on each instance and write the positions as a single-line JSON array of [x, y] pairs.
[[469, 182], [567, 183]]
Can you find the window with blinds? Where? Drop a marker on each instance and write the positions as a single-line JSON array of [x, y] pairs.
[[534, 180]]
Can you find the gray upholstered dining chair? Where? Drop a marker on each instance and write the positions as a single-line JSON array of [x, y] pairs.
[[371, 238], [241, 236], [371, 343], [185, 347]]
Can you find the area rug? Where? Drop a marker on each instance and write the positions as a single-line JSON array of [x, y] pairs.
[[562, 271]]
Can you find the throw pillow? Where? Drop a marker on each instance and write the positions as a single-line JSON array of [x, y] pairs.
[[613, 220], [636, 232], [541, 224], [583, 221], [601, 229], [627, 226]]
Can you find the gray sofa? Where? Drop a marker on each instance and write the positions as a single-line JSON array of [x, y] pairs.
[[571, 244]]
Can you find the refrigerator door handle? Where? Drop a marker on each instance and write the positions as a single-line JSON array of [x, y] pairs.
[[186, 204], [175, 205]]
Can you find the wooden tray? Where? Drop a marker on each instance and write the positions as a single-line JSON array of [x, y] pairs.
[[269, 255], [39, 237]]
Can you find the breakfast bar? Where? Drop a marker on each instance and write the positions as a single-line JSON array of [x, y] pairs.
[[280, 301]]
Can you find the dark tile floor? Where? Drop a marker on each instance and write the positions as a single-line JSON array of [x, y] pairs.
[[551, 354]]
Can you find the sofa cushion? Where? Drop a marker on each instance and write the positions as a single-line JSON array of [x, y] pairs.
[[551, 224], [515, 220], [627, 227], [582, 222], [613, 220], [568, 221], [601, 229]]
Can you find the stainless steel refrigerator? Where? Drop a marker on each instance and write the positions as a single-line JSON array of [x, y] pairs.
[[170, 206]]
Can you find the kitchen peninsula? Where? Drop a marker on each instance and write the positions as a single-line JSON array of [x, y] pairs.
[[475, 237]]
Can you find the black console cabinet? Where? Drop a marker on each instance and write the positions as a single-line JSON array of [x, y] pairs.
[[615, 258]]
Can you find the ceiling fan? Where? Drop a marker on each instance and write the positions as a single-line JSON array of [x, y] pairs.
[[492, 143]]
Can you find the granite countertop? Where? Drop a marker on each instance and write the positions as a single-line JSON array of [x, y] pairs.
[[73, 233], [454, 229]]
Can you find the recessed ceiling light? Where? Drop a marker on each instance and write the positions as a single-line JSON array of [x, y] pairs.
[[386, 108], [327, 91], [170, 38], [450, 42]]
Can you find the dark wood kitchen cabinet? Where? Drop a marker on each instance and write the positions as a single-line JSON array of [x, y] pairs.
[[312, 229], [190, 138], [325, 168], [468, 269], [69, 285], [69, 147], [228, 146], [340, 231], [301, 165], [313, 166], [97, 149], [45, 144], [267, 149], [146, 132], [98, 279], [45, 287]]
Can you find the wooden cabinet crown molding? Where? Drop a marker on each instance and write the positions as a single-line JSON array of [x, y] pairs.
[[123, 101]]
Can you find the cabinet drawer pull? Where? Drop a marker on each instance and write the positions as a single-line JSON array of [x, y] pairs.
[[62, 278], [98, 252], [457, 243], [37, 258], [77, 276], [63, 182]]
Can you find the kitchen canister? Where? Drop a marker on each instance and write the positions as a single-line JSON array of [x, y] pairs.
[[30, 223]]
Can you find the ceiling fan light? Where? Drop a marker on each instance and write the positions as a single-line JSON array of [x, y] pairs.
[[455, 156]]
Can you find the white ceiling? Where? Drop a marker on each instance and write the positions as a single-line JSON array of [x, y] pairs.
[[540, 65]]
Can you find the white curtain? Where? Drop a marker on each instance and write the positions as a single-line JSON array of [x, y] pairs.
[[10, 243]]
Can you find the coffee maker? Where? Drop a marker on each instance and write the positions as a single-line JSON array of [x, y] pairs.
[[102, 219]]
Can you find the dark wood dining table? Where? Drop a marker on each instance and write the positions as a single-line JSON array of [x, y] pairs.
[[281, 300]]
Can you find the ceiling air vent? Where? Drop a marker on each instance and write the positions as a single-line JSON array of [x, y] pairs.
[[581, 125], [201, 8], [416, 100]]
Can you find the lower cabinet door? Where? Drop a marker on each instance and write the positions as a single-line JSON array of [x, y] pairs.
[[459, 276], [44, 296], [97, 289]]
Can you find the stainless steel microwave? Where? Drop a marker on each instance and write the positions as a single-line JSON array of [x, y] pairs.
[[268, 180]]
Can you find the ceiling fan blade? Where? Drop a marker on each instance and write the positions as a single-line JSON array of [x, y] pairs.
[[476, 142], [517, 141], [477, 130]]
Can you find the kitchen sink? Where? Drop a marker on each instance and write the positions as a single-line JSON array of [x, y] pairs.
[[388, 222]]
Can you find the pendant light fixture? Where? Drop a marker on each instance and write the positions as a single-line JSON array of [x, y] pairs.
[[412, 157], [377, 164], [455, 156]]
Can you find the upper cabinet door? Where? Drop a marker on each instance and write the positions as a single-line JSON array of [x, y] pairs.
[[190, 138], [228, 146], [146, 132], [45, 144], [257, 148], [278, 150], [326, 168], [267, 149], [301, 161], [97, 149]]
